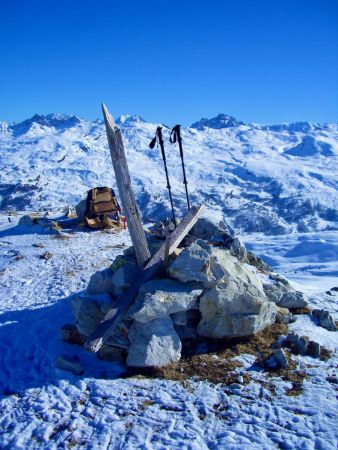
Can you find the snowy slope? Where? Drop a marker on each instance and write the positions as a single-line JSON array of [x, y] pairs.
[[272, 179], [275, 184], [45, 408]]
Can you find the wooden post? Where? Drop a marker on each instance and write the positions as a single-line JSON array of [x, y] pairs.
[[113, 316], [125, 189]]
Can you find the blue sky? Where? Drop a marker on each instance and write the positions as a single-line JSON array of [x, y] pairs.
[[175, 61]]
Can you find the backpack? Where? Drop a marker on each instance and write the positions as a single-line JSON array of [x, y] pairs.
[[102, 208]]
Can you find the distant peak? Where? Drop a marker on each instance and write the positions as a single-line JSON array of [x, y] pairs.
[[218, 122], [127, 118], [58, 121]]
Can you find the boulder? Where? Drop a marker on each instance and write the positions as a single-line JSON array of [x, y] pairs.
[[80, 209], [237, 306], [89, 311], [281, 293], [124, 277], [284, 316], [257, 262], [274, 276], [313, 349], [101, 282], [193, 264], [277, 360], [159, 298], [293, 299], [70, 364], [237, 249], [275, 291], [153, 344], [119, 337], [298, 344], [209, 230], [323, 319]]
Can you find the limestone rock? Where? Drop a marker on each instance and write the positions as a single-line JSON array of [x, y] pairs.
[[257, 262], [209, 230], [323, 319], [293, 299], [298, 344], [101, 282], [193, 264], [124, 277], [153, 344], [119, 337], [237, 249], [277, 360], [237, 306], [70, 364], [89, 311], [80, 209], [159, 298], [313, 349], [284, 316], [275, 291], [279, 278]]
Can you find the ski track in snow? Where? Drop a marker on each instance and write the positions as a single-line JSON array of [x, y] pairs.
[[43, 407], [279, 179]]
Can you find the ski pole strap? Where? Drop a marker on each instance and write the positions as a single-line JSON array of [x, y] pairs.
[[157, 139], [175, 135]]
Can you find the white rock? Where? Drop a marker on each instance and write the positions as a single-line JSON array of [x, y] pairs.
[[193, 264], [238, 305], [210, 230], [89, 311], [123, 278], [293, 299], [153, 344], [101, 282], [159, 298]]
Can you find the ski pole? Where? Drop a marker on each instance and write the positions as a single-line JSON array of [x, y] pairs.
[[158, 138], [175, 136]]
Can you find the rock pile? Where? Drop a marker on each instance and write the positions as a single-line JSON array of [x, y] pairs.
[[212, 288]]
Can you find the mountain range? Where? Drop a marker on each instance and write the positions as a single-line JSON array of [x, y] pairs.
[[275, 178]]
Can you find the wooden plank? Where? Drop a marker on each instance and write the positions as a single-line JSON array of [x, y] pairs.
[[125, 189], [112, 318], [166, 251]]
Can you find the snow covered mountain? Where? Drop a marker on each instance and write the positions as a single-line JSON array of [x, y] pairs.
[[258, 178]]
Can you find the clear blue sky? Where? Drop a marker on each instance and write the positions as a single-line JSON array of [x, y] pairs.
[[170, 61]]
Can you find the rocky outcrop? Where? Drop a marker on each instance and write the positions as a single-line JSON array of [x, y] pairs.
[[154, 343]]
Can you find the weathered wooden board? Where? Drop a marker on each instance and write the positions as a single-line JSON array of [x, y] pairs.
[[125, 189], [112, 318]]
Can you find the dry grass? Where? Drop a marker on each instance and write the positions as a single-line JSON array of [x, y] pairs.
[[218, 365]]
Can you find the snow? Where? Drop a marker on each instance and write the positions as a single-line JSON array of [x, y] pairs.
[[246, 178]]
